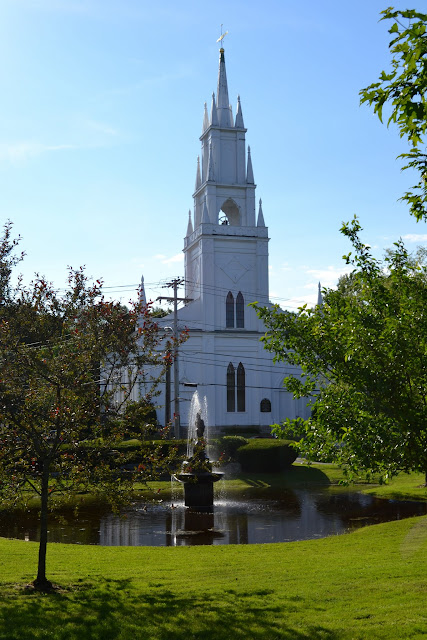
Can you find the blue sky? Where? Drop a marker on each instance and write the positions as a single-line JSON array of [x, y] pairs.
[[101, 112]]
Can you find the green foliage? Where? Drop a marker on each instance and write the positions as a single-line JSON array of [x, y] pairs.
[[266, 456], [229, 446], [247, 431], [159, 312], [403, 90], [69, 364], [363, 357]]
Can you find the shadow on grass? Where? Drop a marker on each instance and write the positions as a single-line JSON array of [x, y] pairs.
[[115, 610], [292, 477], [300, 475]]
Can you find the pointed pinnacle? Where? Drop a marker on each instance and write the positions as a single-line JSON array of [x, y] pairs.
[[239, 115], [190, 225], [260, 221], [214, 112], [250, 172]]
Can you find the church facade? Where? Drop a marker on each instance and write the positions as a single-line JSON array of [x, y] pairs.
[[226, 268]]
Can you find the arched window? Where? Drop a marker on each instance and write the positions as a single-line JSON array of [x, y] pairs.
[[231, 388], [265, 406], [241, 405], [229, 310], [240, 311]]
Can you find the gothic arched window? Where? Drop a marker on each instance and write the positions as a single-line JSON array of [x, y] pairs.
[[265, 406], [229, 310], [231, 388], [241, 405], [240, 311]]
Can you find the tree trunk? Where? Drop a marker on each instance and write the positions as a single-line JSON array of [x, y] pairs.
[[41, 582]]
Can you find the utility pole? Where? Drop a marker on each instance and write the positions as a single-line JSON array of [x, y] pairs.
[[176, 417], [168, 386]]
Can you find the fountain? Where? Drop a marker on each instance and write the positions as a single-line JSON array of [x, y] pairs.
[[196, 474]]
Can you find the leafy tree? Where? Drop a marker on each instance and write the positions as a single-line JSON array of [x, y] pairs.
[[363, 356], [160, 312], [69, 364], [403, 90]]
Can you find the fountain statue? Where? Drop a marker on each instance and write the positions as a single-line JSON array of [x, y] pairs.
[[196, 474]]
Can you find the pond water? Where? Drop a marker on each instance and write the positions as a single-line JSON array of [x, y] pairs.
[[277, 516]]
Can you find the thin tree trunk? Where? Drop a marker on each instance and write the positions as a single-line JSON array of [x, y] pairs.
[[41, 582]]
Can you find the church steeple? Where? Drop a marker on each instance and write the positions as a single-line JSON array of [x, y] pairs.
[[226, 249], [226, 183]]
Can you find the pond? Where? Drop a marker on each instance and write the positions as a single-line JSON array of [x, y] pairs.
[[277, 516]]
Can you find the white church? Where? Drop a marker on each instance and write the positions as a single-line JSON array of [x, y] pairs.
[[226, 268]]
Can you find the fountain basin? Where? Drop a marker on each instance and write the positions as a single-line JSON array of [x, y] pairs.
[[198, 487]]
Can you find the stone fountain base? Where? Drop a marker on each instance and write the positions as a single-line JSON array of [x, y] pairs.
[[198, 487]]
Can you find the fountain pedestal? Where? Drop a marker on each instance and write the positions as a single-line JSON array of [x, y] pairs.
[[198, 487]]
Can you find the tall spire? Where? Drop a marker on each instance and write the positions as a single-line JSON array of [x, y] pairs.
[[239, 115], [250, 172], [260, 221], [223, 104], [205, 118], [198, 176]]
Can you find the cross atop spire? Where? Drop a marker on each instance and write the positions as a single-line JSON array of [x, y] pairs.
[[221, 37]]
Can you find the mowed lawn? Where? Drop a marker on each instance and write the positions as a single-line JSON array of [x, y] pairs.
[[368, 584]]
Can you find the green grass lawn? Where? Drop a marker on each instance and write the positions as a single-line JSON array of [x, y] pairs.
[[371, 583], [368, 584]]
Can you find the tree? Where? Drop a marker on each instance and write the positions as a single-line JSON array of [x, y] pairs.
[[69, 364], [363, 358], [403, 90]]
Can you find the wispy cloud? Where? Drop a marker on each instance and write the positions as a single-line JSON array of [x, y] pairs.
[[415, 237], [327, 277], [101, 127], [179, 257], [19, 152]]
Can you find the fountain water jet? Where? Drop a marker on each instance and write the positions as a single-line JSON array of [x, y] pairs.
[[196, 474]]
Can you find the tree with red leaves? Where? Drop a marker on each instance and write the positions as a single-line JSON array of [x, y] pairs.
[[69, 364]]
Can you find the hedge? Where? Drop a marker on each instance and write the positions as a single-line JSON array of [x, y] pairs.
[[266, 456]]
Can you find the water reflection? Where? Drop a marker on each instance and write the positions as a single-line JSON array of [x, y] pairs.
[[280, 517]]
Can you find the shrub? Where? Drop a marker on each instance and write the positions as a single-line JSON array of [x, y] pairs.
[[229, 446], [266, 456], [240, 431]]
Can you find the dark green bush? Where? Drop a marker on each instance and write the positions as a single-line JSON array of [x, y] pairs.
[[241, 431], [229, 446], [266, 455]]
